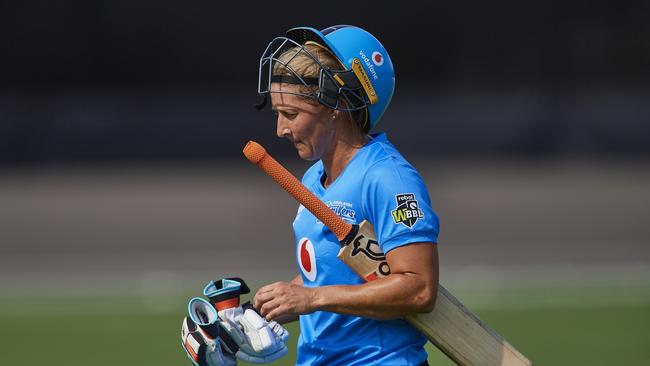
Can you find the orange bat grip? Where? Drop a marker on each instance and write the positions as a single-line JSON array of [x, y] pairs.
[[258, 156]]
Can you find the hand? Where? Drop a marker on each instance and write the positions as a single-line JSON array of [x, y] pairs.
[[201, 348], [284, 299]]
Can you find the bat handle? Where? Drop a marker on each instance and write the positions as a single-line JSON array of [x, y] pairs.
[[258, 156]]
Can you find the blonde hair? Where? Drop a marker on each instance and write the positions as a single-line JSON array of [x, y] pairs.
[[296, 62]]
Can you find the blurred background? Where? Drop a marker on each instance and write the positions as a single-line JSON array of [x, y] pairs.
[[123, 189]]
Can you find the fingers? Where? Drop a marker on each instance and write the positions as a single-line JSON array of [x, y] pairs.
[[261, 298], [280, 298], [277, 308], [270, 287], [275, 313], [267, 293], [268, 306]]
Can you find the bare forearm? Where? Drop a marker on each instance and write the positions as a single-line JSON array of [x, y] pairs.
[[386, 298], [411, 288]]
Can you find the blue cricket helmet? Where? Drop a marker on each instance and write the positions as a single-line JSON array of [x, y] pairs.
[[366, 82]]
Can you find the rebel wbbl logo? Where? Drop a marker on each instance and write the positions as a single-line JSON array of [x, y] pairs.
[[407, 211]]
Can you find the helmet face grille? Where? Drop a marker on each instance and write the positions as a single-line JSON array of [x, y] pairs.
[[336, 89]]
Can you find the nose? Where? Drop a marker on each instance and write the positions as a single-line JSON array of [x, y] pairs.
[[282, 127]]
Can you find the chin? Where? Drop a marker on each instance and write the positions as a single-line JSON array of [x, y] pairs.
[[306, 154]]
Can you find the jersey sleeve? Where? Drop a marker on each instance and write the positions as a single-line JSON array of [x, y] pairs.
[[397, 203]]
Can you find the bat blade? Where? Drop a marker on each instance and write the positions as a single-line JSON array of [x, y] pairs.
[[455, 330], [362, 253], [451, 327]]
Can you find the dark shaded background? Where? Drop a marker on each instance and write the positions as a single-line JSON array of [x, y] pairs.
[[107, 81]]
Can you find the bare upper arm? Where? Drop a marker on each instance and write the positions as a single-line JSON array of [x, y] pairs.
[[417, 259]]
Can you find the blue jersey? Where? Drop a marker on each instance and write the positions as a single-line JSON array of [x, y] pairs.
[[380, 186]]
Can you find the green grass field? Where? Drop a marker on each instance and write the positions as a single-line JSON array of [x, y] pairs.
[[127, 331]]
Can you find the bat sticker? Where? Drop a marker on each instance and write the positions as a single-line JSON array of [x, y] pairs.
[[371, 249]]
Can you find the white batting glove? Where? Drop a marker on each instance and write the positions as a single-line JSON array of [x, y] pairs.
[[279, 331], [258, 340], [202, 348]]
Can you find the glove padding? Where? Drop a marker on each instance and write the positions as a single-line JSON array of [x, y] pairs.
[[279, 331], [201, 348], [259, 341]]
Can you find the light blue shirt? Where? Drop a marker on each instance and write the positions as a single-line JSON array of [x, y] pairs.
[[380, 186]]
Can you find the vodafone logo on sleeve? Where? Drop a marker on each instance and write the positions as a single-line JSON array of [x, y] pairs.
[[377, 58], [307, 258]]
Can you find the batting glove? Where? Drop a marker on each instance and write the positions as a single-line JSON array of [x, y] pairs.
[[203, 342], [259, 341]]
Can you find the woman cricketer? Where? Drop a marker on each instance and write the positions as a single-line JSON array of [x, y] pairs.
[[329, 89]]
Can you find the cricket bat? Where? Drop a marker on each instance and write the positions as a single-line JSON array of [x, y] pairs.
[[451, 327]]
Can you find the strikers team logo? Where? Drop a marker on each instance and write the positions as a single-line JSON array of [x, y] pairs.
[[407, 211], [377, 58], [343, 209], [307, 258]]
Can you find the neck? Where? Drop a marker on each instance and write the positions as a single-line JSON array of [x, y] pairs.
[[344, 146]]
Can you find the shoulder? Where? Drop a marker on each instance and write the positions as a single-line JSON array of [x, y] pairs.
[[386, 164]]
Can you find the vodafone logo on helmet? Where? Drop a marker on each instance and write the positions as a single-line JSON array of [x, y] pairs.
[[307, 258], [377, 58]]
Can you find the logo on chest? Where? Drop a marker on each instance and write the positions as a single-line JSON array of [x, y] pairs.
[[343, 210], [307, 258]]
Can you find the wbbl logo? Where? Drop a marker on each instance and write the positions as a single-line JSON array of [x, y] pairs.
[[407, 211]]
